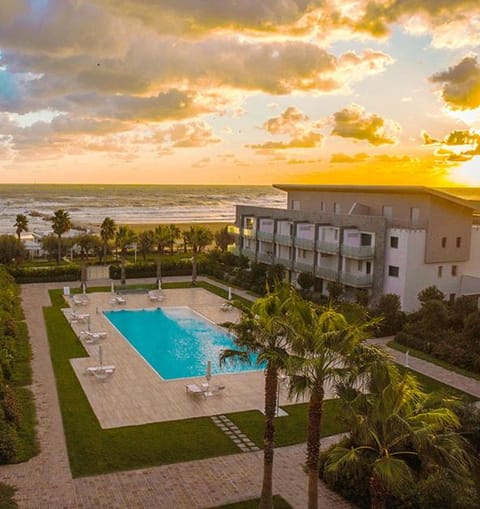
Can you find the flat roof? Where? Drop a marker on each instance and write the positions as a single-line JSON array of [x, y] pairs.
[[443, 194]]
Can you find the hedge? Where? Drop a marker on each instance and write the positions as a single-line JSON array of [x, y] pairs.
[[45, 274], [149, 269]]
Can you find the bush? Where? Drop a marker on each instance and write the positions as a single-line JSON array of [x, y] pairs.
[[390, 310], [430, 293], [149, 269], [45, 274], [8, 439], [305, 280]]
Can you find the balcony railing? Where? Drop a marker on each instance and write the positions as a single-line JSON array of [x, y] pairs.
[[283, 261], [264, 235], [250, 253], [326, 273], [304, 243], [233, 230], [303, 266], [358, 280], [285, 240], [265, 258], [358, 251], [249, 232], [327, 247]]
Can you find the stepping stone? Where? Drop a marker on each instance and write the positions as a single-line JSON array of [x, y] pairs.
[[237, 441]]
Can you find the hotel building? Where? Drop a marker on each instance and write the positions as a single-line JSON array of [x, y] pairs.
[[384, 239]]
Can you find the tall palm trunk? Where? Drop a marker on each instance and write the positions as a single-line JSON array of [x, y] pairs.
[[271, 381], [123, 274], [159, 269], [313, 442], [104, 258], [84, 270], [378, 494], [59, 249]]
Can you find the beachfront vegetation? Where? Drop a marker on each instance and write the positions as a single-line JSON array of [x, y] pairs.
[[124, 237], [107, 234], [11, 251], [17, 413], [199, 238]]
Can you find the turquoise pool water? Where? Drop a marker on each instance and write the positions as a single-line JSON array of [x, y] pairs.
[[176, 342]]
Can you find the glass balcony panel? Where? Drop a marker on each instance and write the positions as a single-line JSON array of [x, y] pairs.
[[326, 273], [304, 243], [283, 261], [303, 266], [358, 280], [264, 235], [327, 247], [250, 253], [285, 240], [358, 251], [265, 258]]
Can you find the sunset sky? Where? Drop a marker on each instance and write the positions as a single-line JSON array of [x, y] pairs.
[[240, 91]]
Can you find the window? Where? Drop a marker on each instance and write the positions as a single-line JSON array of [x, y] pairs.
[[336, 208], [454, 270], [387, 211], [459, 242], [365, 239], [451, 298], [444, 241], [359, 265], [335, 234], [440, 271], [368, 267], [393, 271], [394, 242], [322, 206], [295, 205], [414, 215]]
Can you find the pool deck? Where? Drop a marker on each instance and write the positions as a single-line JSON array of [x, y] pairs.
[[135, 394]]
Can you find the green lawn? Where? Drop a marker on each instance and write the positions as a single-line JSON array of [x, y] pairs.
[[6, 497], [426, 357], [278, 503], [291, 429]]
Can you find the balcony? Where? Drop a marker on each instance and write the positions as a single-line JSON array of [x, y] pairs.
[[249, 232], [249, 253], [303, 266], [285, 240], [234, 250], [283, 261], [265, 258], [268, 236], [358, 280], [233, 230], [326, 273], [359, 252], [304, 243], [327, 247]]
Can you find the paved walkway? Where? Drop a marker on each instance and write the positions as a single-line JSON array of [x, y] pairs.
[[463, 383], [45, 481]]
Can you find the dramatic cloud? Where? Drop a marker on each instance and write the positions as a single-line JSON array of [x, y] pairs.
[[461, 84], [354, 122], [185, 135], [307, 140], [289, 122], [459, 145]]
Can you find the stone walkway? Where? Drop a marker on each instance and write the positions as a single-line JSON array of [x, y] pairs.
[[463, 383], [45, 481]]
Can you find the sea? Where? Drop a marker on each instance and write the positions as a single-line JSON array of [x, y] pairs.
[[88, 205]]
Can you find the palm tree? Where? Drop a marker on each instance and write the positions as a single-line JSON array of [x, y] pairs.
[[107, 233], [86, 242], [325, 347], [392, 424], [61, 223], [173, 235], [123, 238], [199, 237], [162, 237], [260, 332], [146, 241], [21, 225], [223, 238]]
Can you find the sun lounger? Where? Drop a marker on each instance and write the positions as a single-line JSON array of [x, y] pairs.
[[78, 317], [226, 306], [100, 372], [155, 295], [92, 337], [214, 391], [118, 300], [80, 300], [196, 388]]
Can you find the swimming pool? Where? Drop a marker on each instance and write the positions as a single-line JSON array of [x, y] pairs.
[[177, 342]]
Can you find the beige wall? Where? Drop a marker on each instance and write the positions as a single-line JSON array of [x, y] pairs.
[[450, 221]]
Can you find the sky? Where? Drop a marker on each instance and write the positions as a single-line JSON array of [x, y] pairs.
[[240, 91]]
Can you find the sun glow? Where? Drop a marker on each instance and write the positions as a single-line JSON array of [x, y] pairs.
[[467, 173]]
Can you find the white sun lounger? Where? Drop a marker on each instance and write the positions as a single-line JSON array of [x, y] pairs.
[[92, 337], [226, 306], [214, 391], [78, 317], [81, 300], [196, 388], [154, 295], [100, 372], [118, 300]]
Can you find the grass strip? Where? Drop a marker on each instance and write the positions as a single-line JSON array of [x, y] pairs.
[[6, 497], [434, 360], [291, 429], [27, 445], [278, 503], [93, 450]]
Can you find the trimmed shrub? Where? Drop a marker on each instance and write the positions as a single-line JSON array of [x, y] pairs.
[[46, 274]]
